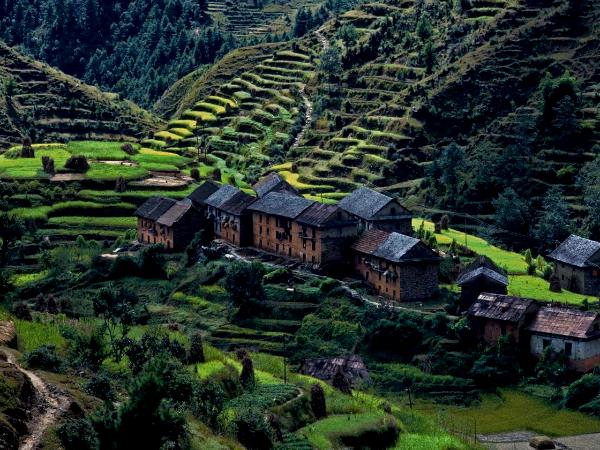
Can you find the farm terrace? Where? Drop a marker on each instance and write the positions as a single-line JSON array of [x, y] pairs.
[[279, 221]]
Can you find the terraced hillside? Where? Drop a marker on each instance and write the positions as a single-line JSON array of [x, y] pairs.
[[251, 115], [50, 106]]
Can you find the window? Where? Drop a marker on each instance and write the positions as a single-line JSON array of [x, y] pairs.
[[260, 229], [267, 231], [393, 211], [260, 218], [314, 246], [313, 259], [290, 251], [277, 248], [546, 343], [568, 348]]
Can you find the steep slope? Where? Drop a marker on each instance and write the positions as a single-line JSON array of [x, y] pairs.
[[44, 103]]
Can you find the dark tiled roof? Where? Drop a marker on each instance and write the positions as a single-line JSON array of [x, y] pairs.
[[273, 182], [238, 203], [281, 204], [482, 267], [325, 368], [319, 214], [207, 189], [370, 241], [154, 207], [576, 251], [398, 246], [224, 194], [564, 321], [175, 213], [500, 307], [365, 203]]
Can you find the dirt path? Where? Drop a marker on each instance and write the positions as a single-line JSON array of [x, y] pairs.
[[520, 441], [51, 404]]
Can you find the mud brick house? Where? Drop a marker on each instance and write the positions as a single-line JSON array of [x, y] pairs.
[[272, 218], [568, 330], [577, 265], [375, 210], [322, 235], [273, 182], [352, 367], [496, 315], [147, 215], [481, 275], [227, 209], [400, 267]]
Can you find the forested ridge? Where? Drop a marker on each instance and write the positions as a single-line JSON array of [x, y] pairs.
[[136, 48]]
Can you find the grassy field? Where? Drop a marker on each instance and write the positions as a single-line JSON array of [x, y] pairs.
[[538, 288], [514, 411]]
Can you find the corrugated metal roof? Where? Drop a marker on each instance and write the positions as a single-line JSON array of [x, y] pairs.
[[500, 307], [154, 207], [273, 182], [369, 241], [576, 251], [207, 189], [175, 213], [238, 203], [281, 204], [564, 321], [319, 214], [225, 193]]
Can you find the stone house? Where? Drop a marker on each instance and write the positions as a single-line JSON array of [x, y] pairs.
[[322, 235], [497, 315], [568, 330], [481, 275], [227, 209], [376, 210], [273, 182], [397, 266], [178, 225], [147, 215], [272, 218], [201, 194], [577, 265]]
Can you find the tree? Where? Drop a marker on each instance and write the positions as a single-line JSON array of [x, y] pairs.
[[77, 163], [10, 87], [11, 230], [120, 185], [424, 29], [317, 401], [348, 34], [512, 212], [117, 308], [243, 281], [78, 434], [331, 62], [553, 225], [27, 150], [247, 377], [48, 165], [196, 353], [341, 382], [152, 262]]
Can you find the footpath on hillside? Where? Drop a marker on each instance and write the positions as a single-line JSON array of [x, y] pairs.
[[50, 403]]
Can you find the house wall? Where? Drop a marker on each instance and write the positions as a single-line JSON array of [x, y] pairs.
[[322, 245], [414, 281], [585, 355], [392, 218], [228, 227], [272, 234], [492, 330], [583, 280], [469, 292]]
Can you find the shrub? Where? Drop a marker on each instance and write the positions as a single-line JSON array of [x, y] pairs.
[[78, 434], [244, 281], [77, 164], [317, 401], [48, 165], [195, 174], [21, 311], [581, 391], [196, 353], [281, 275], [247, 377], [251, 429], [100, 387], [27, 150], [341, 382], [128, 148], [45, 358], [120, 185], [151, 262]]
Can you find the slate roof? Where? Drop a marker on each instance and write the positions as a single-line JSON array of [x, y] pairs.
[[200, 195], [281, 204], [394, 247], [237, 204], [576, 251], [273, 182], [500, 307], [319, 214], [154, 207], [564, 321], [325, 368], [482, 267], [175, 213], [369, 241], [219, 197], [365, 203]]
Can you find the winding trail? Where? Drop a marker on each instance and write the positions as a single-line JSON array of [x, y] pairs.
[[51, 404]]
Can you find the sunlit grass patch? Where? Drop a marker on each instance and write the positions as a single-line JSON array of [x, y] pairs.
[[539, 289], [109, 151]]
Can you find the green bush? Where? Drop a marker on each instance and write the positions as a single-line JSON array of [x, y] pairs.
[[45, 358], [78, 434], [581, 391]]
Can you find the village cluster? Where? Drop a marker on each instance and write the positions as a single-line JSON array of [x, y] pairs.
[[370, 234]]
